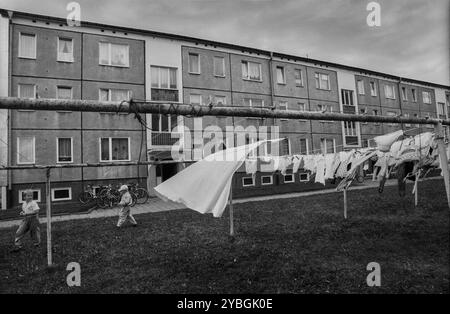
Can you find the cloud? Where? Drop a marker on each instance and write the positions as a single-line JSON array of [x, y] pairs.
[[413, 40]]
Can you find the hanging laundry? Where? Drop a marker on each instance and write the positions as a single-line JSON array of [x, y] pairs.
[[251, 166], [320, 169], [205, 185], [298, 163], [384, 142], [329, 162]]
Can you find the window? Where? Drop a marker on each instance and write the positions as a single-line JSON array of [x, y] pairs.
[[219, 66], [322, 81], [389, 91], [327, 146], [253, 102], [280, 75], [283, 105], [414, 95], [441, 108], [195, 99], [248, 181], [351, 134], [27, 46], [25, 150], [113, 54], [194, 63], [285, 146], [304, 149], [220, 100], [325, 109], [404, 94], [347, 97], [64, 92], [426, 96], [114, 149], [36, 195], [266, 180], [251, 71], [164, 77], [363, 111], [65, 49], [288, 178], [303, 176], [373, 89], [163, 123], [298, 74], [391, 114], [114, 94], [26, 91], [406, 115], [61, 194], [361, 90], [64, 148]]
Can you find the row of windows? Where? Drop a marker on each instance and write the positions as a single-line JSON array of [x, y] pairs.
[[110, 149], [268, 179], [252, 71], [389, 91], [109, 54], [58, 194]]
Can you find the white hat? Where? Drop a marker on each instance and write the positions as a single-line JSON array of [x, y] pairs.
[[123, 188]]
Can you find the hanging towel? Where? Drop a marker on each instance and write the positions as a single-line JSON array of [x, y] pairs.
[[205, 185]]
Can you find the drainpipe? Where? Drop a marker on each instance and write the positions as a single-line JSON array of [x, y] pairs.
[[9, 175], [400, 98]]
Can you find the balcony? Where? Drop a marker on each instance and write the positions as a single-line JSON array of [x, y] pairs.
[[164, 139]]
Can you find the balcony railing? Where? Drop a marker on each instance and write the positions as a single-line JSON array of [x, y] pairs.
[[164, 138]]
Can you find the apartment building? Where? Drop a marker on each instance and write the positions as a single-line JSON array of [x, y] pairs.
[[45, 58]]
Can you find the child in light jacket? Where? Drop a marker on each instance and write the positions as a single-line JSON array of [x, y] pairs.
[[29, 223], [125, 202]]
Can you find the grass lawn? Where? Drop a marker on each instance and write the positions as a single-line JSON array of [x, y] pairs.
[[299, 245]]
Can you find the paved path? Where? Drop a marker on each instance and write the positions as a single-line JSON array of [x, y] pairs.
[[157, 205]]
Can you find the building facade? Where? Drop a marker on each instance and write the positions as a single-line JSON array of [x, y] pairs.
[[42, 57]]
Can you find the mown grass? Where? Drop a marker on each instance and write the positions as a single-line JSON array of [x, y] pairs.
[[299, 245]]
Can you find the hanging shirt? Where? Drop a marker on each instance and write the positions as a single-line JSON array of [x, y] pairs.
[[297, 163], [251, 166], [329, 161]]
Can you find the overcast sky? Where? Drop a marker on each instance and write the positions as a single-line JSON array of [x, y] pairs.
[[412, 41]]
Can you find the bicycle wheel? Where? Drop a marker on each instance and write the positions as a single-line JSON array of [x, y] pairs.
[[85, 197], [102, 201], [133, 199], [142, 195]]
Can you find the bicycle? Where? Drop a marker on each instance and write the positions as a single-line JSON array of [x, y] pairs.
[[141, 194], [87, 195]]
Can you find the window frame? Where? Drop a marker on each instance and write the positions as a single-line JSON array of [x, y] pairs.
[[307, 175], [19, 52], [18, 91], [223, 66], [57, 151], [21, 192], [57, 51], [248, 77], [110, 148], [18, 153], [360, 87], [414, 94], [110, 44], [189, 63], [168, 68], [267, 176], [307, 146], [404, 91], [248, 185], [430, 100], [283, 74], [318, 81], [64, 86], [286, 175], [391, 86], [302, 82], [61, 189], [373, 91]]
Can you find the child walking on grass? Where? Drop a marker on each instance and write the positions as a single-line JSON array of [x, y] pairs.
[[29, 223], [125, 202]]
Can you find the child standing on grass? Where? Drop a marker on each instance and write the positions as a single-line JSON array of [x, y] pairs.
[[29, 223], [125, 202]]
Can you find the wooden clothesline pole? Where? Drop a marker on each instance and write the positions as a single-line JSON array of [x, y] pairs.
[[49, 219], [231, 211], [345, 203]]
